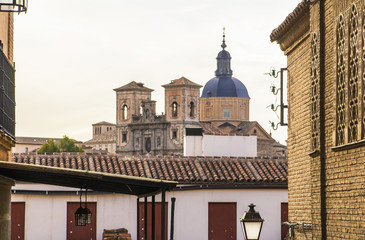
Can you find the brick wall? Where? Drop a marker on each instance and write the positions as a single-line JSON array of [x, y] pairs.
[[299, 196], [344, 167]]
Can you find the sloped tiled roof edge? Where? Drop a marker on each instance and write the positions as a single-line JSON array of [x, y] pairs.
[[133, 86], [185, 170], [289, 21], [183, 81]]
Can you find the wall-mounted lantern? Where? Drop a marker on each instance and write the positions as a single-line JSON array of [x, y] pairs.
[[83, 215], [13, 6], [251, 222]]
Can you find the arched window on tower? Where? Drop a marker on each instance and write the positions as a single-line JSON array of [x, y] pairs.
[[140, 110], [174, 109], [192, 109], [124, 112]]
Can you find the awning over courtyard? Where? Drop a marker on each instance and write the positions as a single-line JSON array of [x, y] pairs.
[[97, 181]]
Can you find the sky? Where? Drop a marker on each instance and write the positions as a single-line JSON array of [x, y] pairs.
[[70, 55]]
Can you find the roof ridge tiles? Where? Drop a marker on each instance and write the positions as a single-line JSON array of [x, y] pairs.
[[189, 172], [171, 170], [103, 164], [128, 168], [147, 170], [178, 173], [134, 167], [225, 174], [266, 171], [272, 167], [91, 164], [109, 164], [122, 166], [253, 171], [115, 164], [140, 168], [152, 169], [184, 175], [230, 171], [78, 162], [200, 170], [194, 169]]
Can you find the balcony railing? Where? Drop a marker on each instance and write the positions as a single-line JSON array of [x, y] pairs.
[[7, 96]]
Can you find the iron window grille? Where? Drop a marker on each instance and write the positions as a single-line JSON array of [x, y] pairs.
[[7, 96]]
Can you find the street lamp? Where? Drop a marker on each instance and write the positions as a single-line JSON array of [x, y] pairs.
[[251, 223], [13, 6]]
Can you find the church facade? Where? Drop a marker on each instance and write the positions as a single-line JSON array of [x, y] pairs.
[[221, 109], [141, 131]]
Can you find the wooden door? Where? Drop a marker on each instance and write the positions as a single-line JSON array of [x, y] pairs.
[[17, 220], [284, 218], [87, 232], [222, 221], [149, 221]]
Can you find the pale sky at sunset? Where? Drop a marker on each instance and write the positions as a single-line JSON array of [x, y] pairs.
[[71, 54]]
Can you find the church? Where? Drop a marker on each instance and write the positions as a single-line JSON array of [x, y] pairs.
[[221, 109]]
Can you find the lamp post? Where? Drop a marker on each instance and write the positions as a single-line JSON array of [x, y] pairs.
[[13, 6], [251, 223]]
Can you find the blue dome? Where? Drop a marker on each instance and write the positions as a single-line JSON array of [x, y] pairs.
[[225, 86], [223, 54]]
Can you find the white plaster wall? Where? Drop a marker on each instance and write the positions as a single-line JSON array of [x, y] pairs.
[[193, 146], [45, 215], [191, 212], [217, 145]]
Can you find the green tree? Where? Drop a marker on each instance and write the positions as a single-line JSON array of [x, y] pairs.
[[49, 147], [68, 145]]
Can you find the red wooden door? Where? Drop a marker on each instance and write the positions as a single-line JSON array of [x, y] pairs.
[[149, 219], [222, 221], [17, 220], [284, 218], [74, 232]]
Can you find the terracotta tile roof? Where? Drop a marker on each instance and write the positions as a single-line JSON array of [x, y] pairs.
[[103, 123], [210, 129], [185, 170], [38, 140], [133, 86], [289, 21], [182, 82]]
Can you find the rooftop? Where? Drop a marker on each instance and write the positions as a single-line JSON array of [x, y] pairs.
[[133, 86], [184, 170], [289, 21], [182, 82]]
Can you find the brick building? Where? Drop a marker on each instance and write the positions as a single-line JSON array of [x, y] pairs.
[[324, 44]]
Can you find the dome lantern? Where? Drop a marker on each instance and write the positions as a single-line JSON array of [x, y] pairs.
[[223, 60]]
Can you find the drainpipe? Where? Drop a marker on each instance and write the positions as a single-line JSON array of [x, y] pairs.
[[138, 213], [322, 134], [172, 218], [153, 217], [145, 218], [163, 219]]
